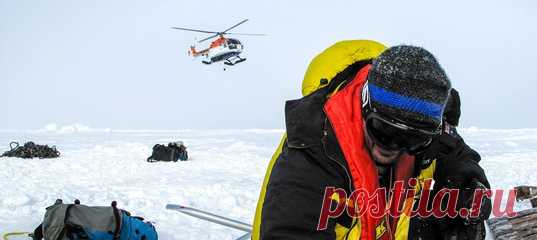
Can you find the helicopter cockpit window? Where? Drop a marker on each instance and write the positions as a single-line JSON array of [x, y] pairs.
[[232, 43]]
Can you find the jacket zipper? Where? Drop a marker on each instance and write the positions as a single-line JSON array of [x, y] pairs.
[[325, 134], [387, 217]]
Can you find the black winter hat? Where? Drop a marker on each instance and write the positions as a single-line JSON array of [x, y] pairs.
[[408, 84], [452, 113]]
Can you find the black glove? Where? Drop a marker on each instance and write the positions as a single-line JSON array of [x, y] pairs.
[[460, 170], [465, 232], [431, 229], [456, 168], [464, 228]]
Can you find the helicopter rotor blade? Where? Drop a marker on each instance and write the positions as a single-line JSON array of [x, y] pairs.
[[207, 38], [193, 30], [219, 33], [248, 34], [234, 26]]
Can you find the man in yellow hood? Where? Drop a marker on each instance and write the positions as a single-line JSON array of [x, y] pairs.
[[367, 115]]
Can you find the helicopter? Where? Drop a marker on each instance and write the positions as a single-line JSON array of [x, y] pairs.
[[222, 49]]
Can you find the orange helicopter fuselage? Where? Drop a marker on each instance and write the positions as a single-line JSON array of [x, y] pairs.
[[214, 44]]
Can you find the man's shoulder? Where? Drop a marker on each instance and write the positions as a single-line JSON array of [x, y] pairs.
[[304, 120]]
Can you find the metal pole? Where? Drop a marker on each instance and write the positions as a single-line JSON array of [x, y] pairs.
[[211, 217], [247, 236]]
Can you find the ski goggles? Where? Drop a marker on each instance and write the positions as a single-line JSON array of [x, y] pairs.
[[394, 135]]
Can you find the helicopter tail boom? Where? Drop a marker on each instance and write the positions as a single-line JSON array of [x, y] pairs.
[[192, 51]]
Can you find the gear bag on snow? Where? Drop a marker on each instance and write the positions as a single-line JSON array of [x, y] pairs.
[[31, 150], [173, 152], [76, 221]]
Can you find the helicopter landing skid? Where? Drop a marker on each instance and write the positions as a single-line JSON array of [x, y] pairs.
[[234, 60]]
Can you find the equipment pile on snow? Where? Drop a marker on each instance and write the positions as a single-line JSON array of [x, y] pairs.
[[173, 152], [31, 150], [527, 193], [76, 221]]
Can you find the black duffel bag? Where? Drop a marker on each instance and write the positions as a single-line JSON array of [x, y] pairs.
[[175, 151]]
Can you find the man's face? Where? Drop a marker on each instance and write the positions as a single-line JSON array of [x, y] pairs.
[[379, 154]]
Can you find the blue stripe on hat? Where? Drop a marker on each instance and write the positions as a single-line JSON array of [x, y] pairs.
[[412, 104]]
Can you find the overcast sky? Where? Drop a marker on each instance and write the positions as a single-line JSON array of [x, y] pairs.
[[117, 64]]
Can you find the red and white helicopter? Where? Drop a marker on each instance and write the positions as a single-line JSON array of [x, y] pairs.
[[221, 49]]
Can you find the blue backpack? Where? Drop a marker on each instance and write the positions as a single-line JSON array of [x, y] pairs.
[[76, 221]]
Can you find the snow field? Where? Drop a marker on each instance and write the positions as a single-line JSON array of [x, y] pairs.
[[223, 175]]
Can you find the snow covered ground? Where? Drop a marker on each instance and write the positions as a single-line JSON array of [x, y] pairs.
[[223, 175]]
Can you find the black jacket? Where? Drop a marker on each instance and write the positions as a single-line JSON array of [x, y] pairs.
[[310, 161]]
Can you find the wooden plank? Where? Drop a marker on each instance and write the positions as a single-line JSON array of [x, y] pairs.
[[523, 226]]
